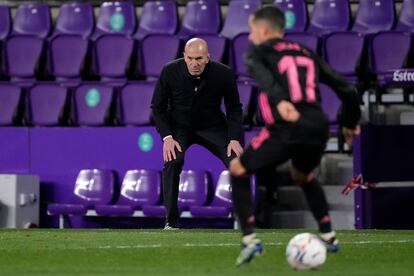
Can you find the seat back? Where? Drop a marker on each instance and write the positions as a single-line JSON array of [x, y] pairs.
[[296, 14], [330, 103], [116, 17], [46, 104], [112, 55], [9, 102], [32, 19], [5, 21], [329, 16], [140, 187], [75, 19], [216, 45], [67, 53], [91, 104], [406, 18], [342, 50], [306, 39], [223, 192], [22, 55], [388, 50], [239, 46], [153, 57], [158, 17], [135, 103], [94, 187], [238, 13], [201, 17], [374, 16], [193, 188]]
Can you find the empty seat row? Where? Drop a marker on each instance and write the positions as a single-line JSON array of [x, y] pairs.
[[204, 17], [335, 15], [140, 192], [97, 104]]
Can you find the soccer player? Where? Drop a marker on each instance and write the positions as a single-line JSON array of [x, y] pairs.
[[296, 127]]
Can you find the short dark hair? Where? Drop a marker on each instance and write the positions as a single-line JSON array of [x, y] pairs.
[[272, 15]]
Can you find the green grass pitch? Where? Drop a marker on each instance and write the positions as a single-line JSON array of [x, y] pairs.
[[191, 252]]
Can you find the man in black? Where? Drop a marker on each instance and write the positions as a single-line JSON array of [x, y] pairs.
[[296, 127], [186, 109]]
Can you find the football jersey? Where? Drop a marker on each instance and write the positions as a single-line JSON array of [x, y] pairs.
[[286, 70]]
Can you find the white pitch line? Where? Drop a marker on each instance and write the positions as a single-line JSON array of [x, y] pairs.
[[234, 244]]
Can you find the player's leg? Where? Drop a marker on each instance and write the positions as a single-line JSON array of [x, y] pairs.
[[306, 159], [265, 149]]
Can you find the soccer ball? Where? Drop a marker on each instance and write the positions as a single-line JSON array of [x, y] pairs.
[[305, 251]]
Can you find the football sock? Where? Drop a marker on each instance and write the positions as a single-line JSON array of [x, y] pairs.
[[319, 206], [242, 203]]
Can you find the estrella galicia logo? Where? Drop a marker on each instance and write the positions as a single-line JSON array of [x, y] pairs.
[[403, 76], [145, 142]]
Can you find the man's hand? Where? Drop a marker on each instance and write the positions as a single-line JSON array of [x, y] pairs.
[[169, 149], [350, 133], [234, 146], [288, 111]]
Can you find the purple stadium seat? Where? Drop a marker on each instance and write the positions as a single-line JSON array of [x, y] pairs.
[[112, 55], [9, 101], [306, 39], [330, 104], [222, 205], [342, 50], [135, 103], [23, 48], [22, 55], [296, 14], [139, 187], [92, 187], [329, 16], [238, 46], [5, 21], [91, 104], [216, 45], [388, 50], [374, 16], [193, 191], [152, 57], [158, 17], [46, 103], [75, 19], [69, 43], [116, 18], [113, 43], [67, 53], [406, 18], [32, 19], [238, 13], [201, 17], [246, 94]]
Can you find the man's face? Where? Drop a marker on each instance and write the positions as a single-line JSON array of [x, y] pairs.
[[257, 31], [196, 60]]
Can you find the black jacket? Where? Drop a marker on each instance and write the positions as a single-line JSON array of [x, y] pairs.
[[182, 101]]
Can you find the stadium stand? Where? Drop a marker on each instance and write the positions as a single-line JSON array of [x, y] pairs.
[[330, 16], [123, 46]]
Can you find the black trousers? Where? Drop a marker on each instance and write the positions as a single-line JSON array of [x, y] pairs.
[[213, 139]]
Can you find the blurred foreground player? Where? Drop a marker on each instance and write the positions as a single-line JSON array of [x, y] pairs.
[[296, 127]]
